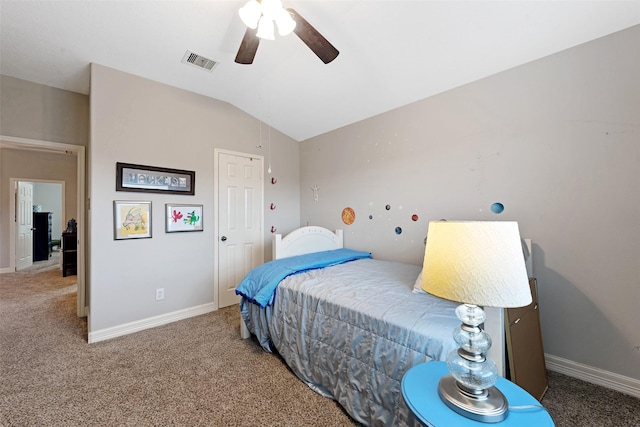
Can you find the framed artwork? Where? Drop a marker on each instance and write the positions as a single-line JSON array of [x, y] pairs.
[[131, 219], [151, 179], [183, 218]]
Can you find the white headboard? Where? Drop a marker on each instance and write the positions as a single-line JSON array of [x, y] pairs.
[[306, 240]]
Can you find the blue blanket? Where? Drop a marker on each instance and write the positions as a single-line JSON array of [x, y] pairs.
[[259, 286]]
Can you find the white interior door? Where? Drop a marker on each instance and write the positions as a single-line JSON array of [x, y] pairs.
[[24, 218], [240, 221]]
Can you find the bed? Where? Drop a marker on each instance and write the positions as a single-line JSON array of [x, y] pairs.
[[351, 330]]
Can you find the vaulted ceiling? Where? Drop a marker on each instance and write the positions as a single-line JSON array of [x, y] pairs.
[[391, 52]]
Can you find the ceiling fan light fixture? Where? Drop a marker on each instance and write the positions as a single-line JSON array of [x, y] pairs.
[[271, 8], [265, 29], [285, 22], [250, 14], [271, 13]]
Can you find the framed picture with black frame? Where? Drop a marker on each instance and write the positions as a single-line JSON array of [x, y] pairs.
[[152, 179]]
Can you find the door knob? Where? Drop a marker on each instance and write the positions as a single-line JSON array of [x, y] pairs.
[[223, 238]]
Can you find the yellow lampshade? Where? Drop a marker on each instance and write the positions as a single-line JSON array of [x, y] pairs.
[[476, 262]]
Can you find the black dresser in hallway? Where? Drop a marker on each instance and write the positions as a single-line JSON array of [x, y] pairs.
[[41, 235]]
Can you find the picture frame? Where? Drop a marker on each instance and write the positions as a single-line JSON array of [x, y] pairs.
[[152, 179], [183, 217], [131, 219]]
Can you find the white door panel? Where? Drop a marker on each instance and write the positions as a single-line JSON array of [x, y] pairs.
[[240, 237], [24, 217]]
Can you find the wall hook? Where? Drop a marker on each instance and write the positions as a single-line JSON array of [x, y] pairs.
[[273, 229], [272, 207], [273, 180]]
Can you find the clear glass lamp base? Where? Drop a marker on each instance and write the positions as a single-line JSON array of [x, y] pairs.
[[490, 407]]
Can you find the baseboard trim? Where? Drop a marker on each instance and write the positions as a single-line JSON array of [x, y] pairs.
[[613, 381], [148, 323], [7, 270]]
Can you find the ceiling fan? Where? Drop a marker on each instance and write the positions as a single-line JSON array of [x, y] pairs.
[[260, 16]]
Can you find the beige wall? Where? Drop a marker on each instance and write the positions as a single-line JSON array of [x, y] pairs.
[[32, 111], [556, 141], [134, 120]]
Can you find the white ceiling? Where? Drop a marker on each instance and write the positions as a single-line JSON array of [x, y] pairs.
[[391, 52]]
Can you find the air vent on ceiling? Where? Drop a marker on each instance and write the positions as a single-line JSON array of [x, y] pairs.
[[198, 61]]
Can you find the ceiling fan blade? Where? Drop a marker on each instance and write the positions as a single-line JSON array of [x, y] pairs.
[[312, 38], [248, 47]]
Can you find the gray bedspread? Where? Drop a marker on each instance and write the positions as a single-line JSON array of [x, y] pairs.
[[351, 331]]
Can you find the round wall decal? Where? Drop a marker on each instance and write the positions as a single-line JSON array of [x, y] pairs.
[[348, 216], [497, 208]]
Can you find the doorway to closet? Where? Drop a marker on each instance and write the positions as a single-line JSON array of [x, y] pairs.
[[239, 226]]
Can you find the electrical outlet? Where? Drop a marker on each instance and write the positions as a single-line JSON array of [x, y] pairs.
[[159, 294]]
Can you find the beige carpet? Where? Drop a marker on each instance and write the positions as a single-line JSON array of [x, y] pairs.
[[196, 372], [189, 373]]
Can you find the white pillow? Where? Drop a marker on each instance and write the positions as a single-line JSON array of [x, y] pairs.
[[417, 287]]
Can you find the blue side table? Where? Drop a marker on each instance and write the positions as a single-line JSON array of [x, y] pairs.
[[420, 392]]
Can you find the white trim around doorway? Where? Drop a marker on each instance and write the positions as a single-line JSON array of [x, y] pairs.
[[79, 152]]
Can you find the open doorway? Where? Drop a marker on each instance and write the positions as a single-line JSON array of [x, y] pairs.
[[43, 203], [77, 153]]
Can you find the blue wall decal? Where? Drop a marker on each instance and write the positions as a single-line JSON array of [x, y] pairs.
[[497, 208]]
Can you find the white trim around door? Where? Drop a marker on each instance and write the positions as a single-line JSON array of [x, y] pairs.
[[79, 152], [248, 253]]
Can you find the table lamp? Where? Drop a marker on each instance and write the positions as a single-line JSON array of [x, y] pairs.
[[477, 263]]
